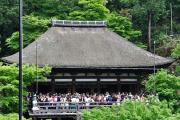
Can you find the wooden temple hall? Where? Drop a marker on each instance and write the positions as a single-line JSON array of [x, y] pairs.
[[86, 56]]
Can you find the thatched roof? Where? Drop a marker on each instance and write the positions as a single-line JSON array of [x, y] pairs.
[[85, 47]]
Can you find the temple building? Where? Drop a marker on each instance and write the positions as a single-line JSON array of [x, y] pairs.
[[86, 56]]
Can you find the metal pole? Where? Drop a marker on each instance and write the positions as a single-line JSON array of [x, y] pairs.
[[154, 57], [20, 60], [171, 34], [36, 71], [154, 65]]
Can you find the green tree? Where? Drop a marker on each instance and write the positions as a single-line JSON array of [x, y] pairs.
[[8, 22], [118, 5], [166, 86], [9, 84], [146, 12], [176, 15], [90, 10], [176, 54], [33, 27], [164, 44], [122, 26], [50, 8]]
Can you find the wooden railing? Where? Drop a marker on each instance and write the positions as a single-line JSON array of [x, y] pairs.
[[60, 107], [78, 23]]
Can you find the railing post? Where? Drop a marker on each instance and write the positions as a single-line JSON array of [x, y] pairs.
[[56, 108]]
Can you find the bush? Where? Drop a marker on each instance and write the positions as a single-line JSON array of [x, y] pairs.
[[174, 117], [131, 110], [12, 116]]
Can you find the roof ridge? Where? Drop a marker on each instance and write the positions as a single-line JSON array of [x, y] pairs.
[[76, 23]]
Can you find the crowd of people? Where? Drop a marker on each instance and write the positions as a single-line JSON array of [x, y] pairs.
[[79, 101], [88, 98]]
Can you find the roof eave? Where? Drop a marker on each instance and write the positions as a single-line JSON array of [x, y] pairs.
[[161, 65]]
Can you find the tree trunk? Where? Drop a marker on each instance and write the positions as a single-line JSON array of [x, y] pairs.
[[149, 32]]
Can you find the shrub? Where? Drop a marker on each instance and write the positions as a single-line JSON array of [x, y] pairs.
[[131, 110]]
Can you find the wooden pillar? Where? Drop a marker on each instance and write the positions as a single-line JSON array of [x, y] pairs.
[[73, 86], [98, 85], [118, 84], [138, 85], [52, 85]]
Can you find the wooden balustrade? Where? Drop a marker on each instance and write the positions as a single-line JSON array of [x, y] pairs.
[[61, 107]]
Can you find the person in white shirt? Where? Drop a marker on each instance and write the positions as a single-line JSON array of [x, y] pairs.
[[34, 102]]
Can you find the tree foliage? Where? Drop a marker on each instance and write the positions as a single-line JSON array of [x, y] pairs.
[[118, 5], [166, 86], [131, 110], [90, 10], [151, 11], [11, 116], [176, 54], [9, 84], [8, 21], [33, 27], [144, 7], [59, 9], [166, 44], [122, 26]]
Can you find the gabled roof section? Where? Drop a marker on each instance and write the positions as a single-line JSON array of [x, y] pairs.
[[86, 47]]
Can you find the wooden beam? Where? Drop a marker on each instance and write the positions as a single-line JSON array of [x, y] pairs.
[[98, 85], [118, 84], [91, 77]]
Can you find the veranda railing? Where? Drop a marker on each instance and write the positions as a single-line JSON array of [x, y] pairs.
[[68, 107]]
